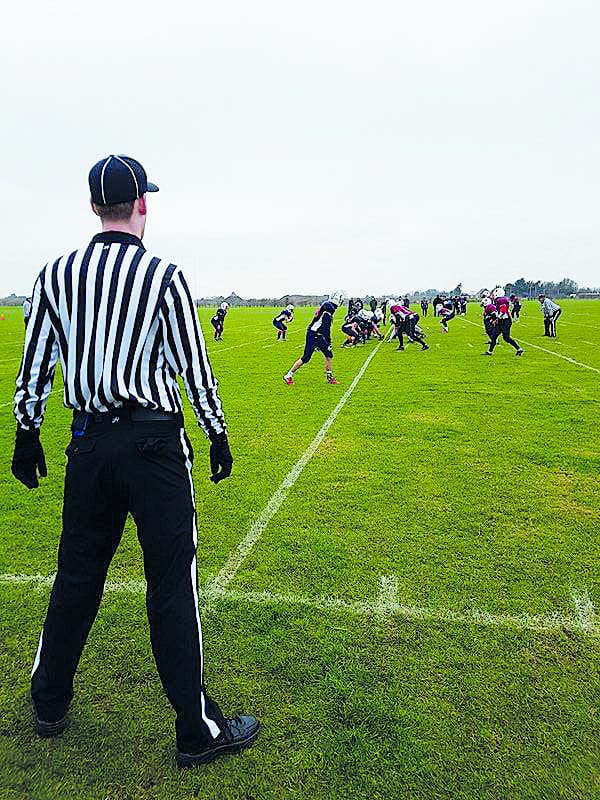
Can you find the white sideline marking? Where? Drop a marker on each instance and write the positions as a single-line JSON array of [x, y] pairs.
[[237, 558], [551, 352], [584, 620]]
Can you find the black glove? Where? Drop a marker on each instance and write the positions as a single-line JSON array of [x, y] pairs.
[[220, 456], [28, 458]]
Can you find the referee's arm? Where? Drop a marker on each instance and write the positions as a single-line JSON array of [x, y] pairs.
[[38, 366], [186, 352]]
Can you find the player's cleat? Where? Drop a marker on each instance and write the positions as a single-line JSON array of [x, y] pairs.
[[400, 348], [332, 380], [242, 731], [519, 352], [48, 729], [425, 347], [487, 353], [288, 379]]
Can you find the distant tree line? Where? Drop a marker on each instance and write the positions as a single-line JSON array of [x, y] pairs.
[[563, 288]]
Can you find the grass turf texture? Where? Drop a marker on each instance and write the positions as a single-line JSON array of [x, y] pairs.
[[474, 482]]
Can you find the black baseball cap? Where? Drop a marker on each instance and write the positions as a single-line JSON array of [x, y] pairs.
[[118, 179]]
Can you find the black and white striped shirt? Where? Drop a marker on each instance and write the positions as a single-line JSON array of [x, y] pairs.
[[124, 325]]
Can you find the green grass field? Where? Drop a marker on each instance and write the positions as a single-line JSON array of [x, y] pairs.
[[414, 621]]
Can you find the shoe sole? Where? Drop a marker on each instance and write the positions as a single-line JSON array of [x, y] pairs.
[[48, 729], [195, 760]]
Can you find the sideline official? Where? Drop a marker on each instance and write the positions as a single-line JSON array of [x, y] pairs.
[[123, 324]]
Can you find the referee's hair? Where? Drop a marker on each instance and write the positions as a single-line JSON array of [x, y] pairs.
[[114, 211]]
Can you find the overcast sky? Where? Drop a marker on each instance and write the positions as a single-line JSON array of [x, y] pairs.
[[371, 146]]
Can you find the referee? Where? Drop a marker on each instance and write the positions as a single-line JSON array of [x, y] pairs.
[[123, 324]]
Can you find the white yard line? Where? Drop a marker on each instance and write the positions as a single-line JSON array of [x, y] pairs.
[[216, 349], [386, 605], [237, 558], [551, 352]]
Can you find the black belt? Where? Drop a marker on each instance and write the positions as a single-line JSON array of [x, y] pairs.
[[81, 419]]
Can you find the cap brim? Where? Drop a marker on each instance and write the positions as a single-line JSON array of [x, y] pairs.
[[151, 187]]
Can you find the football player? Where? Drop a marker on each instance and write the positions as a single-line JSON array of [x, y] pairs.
[[282, 320], [501, 323], [218, 320], [318, 337]]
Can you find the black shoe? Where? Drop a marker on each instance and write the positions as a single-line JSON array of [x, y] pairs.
[[519, 352], [425, 347], [399, 348], [487, 353], [242, 731], [48, 729]]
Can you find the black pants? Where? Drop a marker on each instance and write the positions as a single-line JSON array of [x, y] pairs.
[[502, 328], [407, 327], [143, 468], [550, 323]]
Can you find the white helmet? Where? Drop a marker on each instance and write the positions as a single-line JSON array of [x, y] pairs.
[[337, 298], [364, 314], [498, 291], [289, 307], [224, 306]]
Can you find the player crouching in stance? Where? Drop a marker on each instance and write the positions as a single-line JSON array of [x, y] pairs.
[[499, 321], [318, 337], [218, 320], [352, 329], [405, 322], [282, 320]]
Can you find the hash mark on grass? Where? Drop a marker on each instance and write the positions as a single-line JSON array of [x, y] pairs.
[[237, 558], [551, 352], [586, 612], [388, 596], [582, 622]]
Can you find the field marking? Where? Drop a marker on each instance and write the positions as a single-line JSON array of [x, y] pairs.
[[551, 352], [586, 613], [386, 606], [388, 596], [217, 349], [238, 556]]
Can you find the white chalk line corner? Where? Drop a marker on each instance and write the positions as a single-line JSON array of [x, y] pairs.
[[385, 607]]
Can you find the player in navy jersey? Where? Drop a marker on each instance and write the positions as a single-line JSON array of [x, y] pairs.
[[218, 320], [318, 337], [282, 320], [352, 329]]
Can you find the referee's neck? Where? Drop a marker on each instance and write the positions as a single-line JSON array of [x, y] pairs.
[[133, 226], [136, 223]]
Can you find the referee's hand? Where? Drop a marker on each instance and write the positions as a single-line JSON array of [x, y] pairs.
[[28, 458], [221, 460]]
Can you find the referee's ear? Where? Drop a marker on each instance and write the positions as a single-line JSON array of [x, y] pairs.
[[142, 205]]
